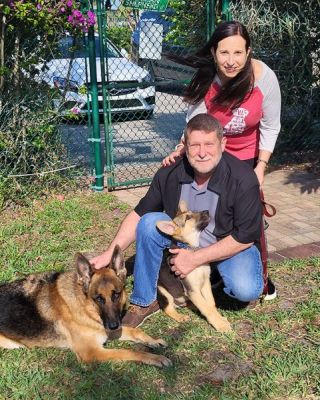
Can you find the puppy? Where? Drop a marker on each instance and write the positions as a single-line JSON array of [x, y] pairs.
[[196, 287]]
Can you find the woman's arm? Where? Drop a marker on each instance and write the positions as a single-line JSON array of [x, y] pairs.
[[270, 122], [262, 163], [178, 152]]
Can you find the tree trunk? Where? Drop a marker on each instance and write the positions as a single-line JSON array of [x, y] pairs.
[[2, 32], [16, 75]]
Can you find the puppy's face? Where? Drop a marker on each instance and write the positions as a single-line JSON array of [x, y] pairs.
[[188, 222], [186, 226]]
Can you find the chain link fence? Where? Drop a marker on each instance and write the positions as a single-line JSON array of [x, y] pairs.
[[47, 91], [152, 118], [36, 116], [286, 36]]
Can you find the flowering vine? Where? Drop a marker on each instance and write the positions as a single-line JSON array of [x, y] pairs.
[[50, 14]]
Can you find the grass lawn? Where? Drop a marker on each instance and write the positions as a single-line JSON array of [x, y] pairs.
[[273, 352]]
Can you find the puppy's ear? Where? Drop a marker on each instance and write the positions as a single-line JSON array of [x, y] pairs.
[[118, 264], [84, 271], [167, 227], [183, 207]]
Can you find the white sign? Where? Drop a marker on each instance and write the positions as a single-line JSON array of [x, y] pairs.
[[151, 36]]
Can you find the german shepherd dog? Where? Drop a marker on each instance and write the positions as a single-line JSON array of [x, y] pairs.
[[79, 310], [196, 287]]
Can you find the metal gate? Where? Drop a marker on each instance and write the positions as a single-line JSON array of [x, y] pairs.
[[136, 106]]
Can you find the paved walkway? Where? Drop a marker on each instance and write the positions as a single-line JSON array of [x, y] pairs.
[[294, 232]]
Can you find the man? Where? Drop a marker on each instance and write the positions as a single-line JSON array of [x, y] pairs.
[[207, 179]]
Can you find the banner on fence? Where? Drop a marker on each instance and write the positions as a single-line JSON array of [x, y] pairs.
[[157, 5]]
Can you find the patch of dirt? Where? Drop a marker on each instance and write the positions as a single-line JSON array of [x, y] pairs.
[[244, 329], [226, 371]]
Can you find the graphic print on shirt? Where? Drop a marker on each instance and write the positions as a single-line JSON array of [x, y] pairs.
[[237, 124]]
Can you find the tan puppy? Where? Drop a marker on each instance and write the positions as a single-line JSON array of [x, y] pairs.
[[196, 287]]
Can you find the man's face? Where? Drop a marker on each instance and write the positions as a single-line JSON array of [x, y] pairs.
[[204, 151]]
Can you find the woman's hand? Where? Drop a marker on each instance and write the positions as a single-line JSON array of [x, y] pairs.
[[262, 164], [259, 170], [171, 158]]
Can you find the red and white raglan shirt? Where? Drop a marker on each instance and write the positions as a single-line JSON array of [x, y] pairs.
[[255, 124]]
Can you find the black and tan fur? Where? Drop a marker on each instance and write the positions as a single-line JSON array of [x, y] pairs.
[[79, 310], [196, 286]]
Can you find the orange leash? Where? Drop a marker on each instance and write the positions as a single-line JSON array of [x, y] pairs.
[[268, 210]]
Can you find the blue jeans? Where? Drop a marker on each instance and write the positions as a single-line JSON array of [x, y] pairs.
[[242, 273]]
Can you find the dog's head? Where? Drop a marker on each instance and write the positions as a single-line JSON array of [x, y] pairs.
[[186, 226], [104, 288]]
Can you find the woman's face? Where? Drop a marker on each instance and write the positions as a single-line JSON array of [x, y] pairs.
[[230, 56]]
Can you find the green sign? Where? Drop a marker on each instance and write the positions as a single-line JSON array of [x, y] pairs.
[[157, 5]]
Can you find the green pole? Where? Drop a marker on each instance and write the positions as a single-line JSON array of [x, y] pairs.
[[211, 17], [107, 121], [96, 137], [225, 10]]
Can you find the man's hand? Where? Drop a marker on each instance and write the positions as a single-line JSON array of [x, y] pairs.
[[182, 262], [102, 260]]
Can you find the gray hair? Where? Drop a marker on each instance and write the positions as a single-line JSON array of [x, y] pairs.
[[203, 122]]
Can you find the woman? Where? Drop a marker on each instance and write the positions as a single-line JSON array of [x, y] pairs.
[[241, 92], [244, 95]]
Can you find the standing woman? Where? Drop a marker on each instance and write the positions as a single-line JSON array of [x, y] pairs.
[[241, 92]]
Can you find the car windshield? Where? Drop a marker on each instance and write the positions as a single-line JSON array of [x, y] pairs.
[[70, 47]]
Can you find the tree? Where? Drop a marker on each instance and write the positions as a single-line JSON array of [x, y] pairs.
[[29, 28]]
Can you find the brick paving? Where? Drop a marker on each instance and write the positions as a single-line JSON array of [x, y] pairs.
[[294, 232]]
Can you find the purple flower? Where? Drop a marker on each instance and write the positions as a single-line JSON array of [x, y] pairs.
[[91, 18], [75, 110], [62, 9], [39, 6], [69, 3], [76, 13]]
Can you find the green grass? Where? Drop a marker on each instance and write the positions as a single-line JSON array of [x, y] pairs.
[[273, 352]]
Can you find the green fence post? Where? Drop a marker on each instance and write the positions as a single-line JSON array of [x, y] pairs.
[[225, 10], [211, 17], [96, 136], [107, 120]]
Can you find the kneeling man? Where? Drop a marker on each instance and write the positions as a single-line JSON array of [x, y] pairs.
[[206, 178]]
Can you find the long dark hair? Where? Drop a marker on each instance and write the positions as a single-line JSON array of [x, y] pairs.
[[235, 90]]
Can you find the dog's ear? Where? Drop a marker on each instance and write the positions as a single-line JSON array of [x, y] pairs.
[[117, 263], [84, 271], [167, 227], [183, 207]]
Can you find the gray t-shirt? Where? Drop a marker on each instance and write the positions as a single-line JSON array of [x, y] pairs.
[[200, 199]]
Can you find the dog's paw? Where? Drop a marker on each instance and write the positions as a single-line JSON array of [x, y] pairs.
[[223, 326], [182, 318], [158, 361], [157, 343]]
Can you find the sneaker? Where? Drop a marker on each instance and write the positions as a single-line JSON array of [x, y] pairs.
[[272, 293], [136, 315]]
